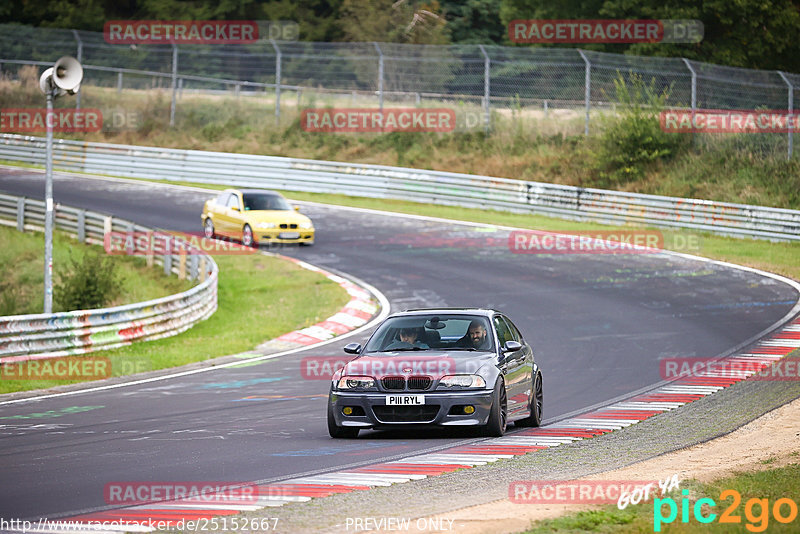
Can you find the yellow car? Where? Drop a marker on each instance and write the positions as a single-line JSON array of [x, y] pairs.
[[256, 216]]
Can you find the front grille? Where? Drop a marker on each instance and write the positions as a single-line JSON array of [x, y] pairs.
[[284, 226], [396, 383], [406, 414], [419, 383]]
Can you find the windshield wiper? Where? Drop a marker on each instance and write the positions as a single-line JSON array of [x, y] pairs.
[[463, 348], [404, 349]]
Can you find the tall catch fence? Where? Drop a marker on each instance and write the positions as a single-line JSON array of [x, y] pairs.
[[488, 76]]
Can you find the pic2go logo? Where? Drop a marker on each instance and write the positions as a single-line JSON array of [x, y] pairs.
[[784, 510]]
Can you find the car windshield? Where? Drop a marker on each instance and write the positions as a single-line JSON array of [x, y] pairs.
[[450, 332], [265, 202]]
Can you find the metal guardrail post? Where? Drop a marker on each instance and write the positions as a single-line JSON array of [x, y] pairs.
[[167, 264], [789, 117], [174, 84], [150, 255], [79, 57], [587, 90], [21, 214], [278, 61], [82, 226], [380, 76], [694, 83], [119, 81], [193, 265], [486, 88]]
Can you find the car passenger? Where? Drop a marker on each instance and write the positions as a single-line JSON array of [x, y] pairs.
[[409, 338], [476, 337]]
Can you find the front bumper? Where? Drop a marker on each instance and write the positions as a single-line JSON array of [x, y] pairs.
[[440, 408], [284, 236]]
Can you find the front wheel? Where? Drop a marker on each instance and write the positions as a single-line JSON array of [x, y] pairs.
[[537, 399], [337, 431], [247, 236], [496, 425], [208, 228]]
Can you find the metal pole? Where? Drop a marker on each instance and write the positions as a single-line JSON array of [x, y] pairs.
[[790, 116], [48, 208], [277, 80], [119, 81], [587, 90], [380, 76], [694, 83], [80, 60], [486, 88], [174, 84]]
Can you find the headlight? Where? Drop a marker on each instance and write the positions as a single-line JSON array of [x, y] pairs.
[[462, 381], [306, 226], [265, 225], [356, 382]]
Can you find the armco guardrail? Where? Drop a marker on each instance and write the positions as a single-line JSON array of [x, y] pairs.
[[409, 184], [24, 337]]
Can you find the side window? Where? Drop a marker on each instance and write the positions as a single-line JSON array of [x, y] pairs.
[[233, 201], [222, 200], [503, 333], [515, 335]]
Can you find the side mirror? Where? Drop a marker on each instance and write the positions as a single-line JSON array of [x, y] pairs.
[[352, 348], [512, 346]]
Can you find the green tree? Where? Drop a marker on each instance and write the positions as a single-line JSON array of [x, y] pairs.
[[401, 21]]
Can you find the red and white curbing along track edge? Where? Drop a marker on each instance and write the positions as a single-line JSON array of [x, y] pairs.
[[594, 423]]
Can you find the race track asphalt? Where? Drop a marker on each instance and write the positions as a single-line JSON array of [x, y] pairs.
[[598, 323]]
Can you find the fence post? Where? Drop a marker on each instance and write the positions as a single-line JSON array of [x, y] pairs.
[[486, 88], [21, 214], [174, 84], [193, 267], [182, 265], [380, 76], [119, 81], [790, 116], [278, 61], [82, 226], [168, 260], [108, 224], [80, 60], [150, 254], [694, 85], [587, 90]]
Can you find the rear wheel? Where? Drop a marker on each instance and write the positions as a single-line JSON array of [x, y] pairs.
[[535, 418], [496, 425], [337, 431], [247, 236]]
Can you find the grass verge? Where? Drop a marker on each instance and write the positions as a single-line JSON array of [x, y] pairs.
[[755, 511], [259, 298], [22, 265]]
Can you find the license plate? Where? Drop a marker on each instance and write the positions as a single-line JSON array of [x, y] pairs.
[[405, 400], [289, 235]]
